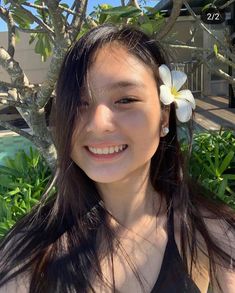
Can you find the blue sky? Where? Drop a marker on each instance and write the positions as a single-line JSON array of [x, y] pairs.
[[91, 4]]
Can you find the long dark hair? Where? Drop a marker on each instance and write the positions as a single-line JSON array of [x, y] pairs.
[[56, 243]]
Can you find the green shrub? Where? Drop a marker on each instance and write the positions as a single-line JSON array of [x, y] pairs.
[[212, 163], [22, 182]]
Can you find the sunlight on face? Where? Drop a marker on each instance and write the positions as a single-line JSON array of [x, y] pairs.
[[119, 130]]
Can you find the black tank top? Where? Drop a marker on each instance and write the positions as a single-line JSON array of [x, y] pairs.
[[173, 277]]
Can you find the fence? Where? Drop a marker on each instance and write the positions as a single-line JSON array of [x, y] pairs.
[[195, 80]]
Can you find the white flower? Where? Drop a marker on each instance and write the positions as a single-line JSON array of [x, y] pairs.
[[169, 92]]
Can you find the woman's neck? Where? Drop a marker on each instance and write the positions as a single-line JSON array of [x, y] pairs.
[[130, 199]]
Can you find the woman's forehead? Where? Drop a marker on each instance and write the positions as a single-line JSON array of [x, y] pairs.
[[117, 65]]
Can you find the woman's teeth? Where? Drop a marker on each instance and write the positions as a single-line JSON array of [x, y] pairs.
[[107, 150]]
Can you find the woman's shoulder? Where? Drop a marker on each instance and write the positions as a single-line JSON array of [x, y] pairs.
[[19, 284], [221, 227], [221, 230]]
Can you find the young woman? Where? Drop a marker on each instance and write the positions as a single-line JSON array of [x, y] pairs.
[[126, 217]]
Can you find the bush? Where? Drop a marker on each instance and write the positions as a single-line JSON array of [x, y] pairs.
[[22, 182], [212, 163]]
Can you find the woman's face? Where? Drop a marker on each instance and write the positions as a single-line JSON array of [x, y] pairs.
[[118, 132]]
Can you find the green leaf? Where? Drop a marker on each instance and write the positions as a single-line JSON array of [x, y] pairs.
[[123, 11], [5, 180], [47, 45], [102, 18], [226, 162], [43, 45], [11, 171], [229, 176], [5, 212], [32, 38], [215, 47], [5, 226], [150, 9], [216, 154], [204, 8], [151, 26], [39, 46], [21, 18], [147, 28], [222, 188], [232, 194], [209, 170], [15, 191]]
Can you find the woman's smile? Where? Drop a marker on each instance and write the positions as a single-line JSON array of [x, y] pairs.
[[106, 153]]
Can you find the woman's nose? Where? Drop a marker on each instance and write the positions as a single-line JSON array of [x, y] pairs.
[[101, 119]]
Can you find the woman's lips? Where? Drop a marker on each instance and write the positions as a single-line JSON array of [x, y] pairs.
[[106, 156]]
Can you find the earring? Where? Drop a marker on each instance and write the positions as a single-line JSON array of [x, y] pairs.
[[165, 130]]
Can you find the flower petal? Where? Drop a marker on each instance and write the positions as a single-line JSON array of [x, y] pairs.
[[187, 95], [183, 110], [165, 75], [166, 96], [178, 79]]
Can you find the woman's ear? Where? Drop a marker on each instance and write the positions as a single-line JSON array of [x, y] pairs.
[[165, 113]]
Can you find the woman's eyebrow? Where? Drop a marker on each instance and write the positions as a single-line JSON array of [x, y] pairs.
[[126, 83]]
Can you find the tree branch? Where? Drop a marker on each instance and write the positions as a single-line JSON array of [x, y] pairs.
[[15, 129], [32, 16], [38, 121], [7, 17], [228, 53], [11, 85], [43, 7], [69, 11], [62, 44], [134, 3], [189, 41], [225, 60], [57, 19], [222, 74], [31, 31], [13, 68], [90, 22], [169, 23], [80, 9], [46, 90], [6, 85], [4, 100], [189, 47], [32, 5], [226, 4], [71, 8]]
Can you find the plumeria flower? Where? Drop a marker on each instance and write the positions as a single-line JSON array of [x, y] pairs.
[[169, 92]]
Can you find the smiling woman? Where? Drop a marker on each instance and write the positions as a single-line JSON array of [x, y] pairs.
[[124, 109], [126, 216]]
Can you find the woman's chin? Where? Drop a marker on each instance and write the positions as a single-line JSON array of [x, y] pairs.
[[104, 178]]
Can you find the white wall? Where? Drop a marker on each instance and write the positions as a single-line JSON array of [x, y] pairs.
[[30, 62]]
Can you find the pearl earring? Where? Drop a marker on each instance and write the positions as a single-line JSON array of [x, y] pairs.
[[165, 130]]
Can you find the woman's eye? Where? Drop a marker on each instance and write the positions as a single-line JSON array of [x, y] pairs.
[[127, 100]]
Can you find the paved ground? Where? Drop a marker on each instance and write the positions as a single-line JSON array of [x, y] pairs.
[[212, 113]]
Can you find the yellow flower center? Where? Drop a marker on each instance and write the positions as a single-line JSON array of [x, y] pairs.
[[174, 92]]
